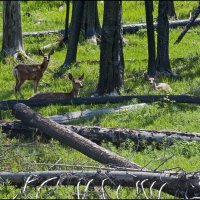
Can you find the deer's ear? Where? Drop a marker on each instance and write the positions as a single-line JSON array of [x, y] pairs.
[[81, 77], [70, 76], [41, 52], [52, 52]]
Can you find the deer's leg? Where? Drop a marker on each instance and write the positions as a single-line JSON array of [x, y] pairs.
[[17, 82], [18, 87], [35, 83]]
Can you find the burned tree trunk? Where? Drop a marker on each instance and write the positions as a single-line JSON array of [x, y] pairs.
[[151, 38], [65, 39], [12, 29], [91, 25], [70, 138], [171, 9], [111, 73], [77, 14], [114, 135], [163, 62]]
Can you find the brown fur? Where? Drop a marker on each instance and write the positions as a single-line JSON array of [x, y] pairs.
[[77, 84], [34, 72]]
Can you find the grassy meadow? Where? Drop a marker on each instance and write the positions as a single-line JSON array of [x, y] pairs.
[[165, 115]]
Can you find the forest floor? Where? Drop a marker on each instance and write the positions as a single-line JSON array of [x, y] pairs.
[[165, 115]]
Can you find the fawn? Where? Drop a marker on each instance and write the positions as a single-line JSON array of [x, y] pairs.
[[77, 84], [34, 72], [159, 86]]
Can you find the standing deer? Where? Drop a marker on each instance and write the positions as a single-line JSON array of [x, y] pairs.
[[32, 72], [159, 86], [76, 83]]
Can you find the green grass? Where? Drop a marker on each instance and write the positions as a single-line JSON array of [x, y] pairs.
[[163, 115]]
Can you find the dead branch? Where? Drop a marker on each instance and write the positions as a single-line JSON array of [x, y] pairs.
[[68, 137], [168, 182], [188, 25], [8, 104]]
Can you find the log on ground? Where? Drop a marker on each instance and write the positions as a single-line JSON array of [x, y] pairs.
[[8, 104], [115, 135], [68, 137], [169, 182]]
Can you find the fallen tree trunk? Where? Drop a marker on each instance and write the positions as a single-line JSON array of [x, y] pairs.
[[68, 137], [63, 119], [187, 185], [128, 28], [8, 104], [114, 135]]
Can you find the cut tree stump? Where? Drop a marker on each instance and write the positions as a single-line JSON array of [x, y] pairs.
[[8, 104], [187, 184], [68, 137]]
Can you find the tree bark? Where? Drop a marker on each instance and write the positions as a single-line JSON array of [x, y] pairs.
[[151, 38], [91, 25], [171, 10], [65, 39], [70, 138], [8, 104], [171, 181], [77, 14], [111, 75], [12, 29], [115, 135], [163, 62]]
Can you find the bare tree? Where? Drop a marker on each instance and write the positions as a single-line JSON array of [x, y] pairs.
[[171, 10], [150, 38], [77, 14], [91, 25], [163, 62], [65, 39], [111, 73], [12, 29]]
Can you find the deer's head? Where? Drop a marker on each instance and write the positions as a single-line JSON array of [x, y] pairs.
[[77, 83], [46, 55]]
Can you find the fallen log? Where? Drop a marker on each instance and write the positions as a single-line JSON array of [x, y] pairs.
[[68, 137], [8, 104], [63, 119], [187, 184], [127, 28], [115, 135]]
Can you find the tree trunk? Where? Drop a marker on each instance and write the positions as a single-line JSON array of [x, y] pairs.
[[111, 73], [178, 184], [77, 14], [12, 29], [114, 135], [91, 25], [8, 104], [70, 138], [151, 38], [65, 39], [163, 62], [171, 9]]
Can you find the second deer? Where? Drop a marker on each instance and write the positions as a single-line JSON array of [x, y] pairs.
[[34, 72], [159, 86], [76, 83]]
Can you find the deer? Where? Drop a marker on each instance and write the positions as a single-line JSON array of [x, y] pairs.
[[34, 72], [76, 83], [159, 86]]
